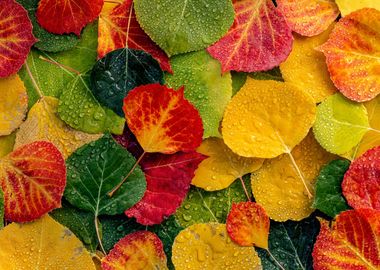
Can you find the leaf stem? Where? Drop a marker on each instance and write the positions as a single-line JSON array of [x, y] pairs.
[[275, 260], [97, 229], [60, 65], [38, 90], [129, 173], [245, 188], [309, 195]]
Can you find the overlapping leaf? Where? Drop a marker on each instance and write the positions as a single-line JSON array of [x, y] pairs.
[[6, 144], [348, 6]]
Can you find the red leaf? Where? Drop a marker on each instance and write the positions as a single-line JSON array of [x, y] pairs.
[[138, 250], [33, 178], [259, 39], [16, 37], [162, 119], [119, 27], [67, 16], [351, 244], [361, 182]]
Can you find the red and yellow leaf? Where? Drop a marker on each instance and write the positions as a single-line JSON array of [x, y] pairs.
[[16, 37], [308, 17], [118, 28], [259, 39], [248, 224], [361, 182], [352, 55], [162, 119], [351, 244], [33, 178], [141, 250], [67, 16]]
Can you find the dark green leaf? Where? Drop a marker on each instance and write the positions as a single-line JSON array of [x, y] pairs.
[[238, 80], [273, 74]]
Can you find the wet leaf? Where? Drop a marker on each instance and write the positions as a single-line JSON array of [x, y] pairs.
[[208, 246], [45, 244], [13, 104], [351, 243], [267, 118], [222, 167], [348, 6], [308, 18], [361, 183], [259, 39], [33, 178], [352, 55], [113, 76], [6, 144], [67, 16], [179, 26], [273, 74], [280, 185], [43, 124], [162, 119], [16, 37], [340, 124], [238, 81], [248, 225], [205, 87], [138, 250], [328, 194]]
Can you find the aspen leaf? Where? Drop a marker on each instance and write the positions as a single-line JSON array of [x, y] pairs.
[[6, 144], [348, 6]]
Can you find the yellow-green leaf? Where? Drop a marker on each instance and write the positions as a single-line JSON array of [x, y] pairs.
[[348, 6]]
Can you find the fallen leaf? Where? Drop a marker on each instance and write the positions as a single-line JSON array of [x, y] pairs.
[[267, 118], [33, 178], [273, 74], [352, 52], [181, 26], [248, 225], [361, 183], [16, 37], [205, 87], [222, 167], [6, 144], [238, 81], [45, 244], [67, 16], [13, 104], [348, 6], [118, 28], [162, 119], [138, 250], [259, 39], [308, 18], [351, 243]]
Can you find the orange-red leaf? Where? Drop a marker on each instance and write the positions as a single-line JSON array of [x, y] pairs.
[[259, 39], [138, 250], [352, 55], [308, 17], [351, 244], [16, 37], [33, 178], [118, 28], [361, 183], [162, 119], [248, 224], [67, 16]]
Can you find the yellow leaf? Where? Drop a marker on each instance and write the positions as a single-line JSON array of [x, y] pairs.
[[278, 186], [267, 118], [222, 166], [208, 247], [43, 124], [306, 67], [13, 104], [6, 144], [348, 6], [43, 244]]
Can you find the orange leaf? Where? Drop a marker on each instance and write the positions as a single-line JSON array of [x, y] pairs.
[[162, 119], [351, 244], [308, 17], [248, 224], [33, 178], [352, 55]]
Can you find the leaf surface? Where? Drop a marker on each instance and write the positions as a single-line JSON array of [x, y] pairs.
[[6, 144], [348, 6]]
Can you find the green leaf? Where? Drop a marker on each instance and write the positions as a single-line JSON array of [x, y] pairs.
[[340, 124], [201, 206], [205, 87], [328, 196], [95, 169], [120, 71], [81, 223], [273, 74], [238, 80], [291, 243], [47, 41], [180, 26], [1, 209], [79, 109]]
